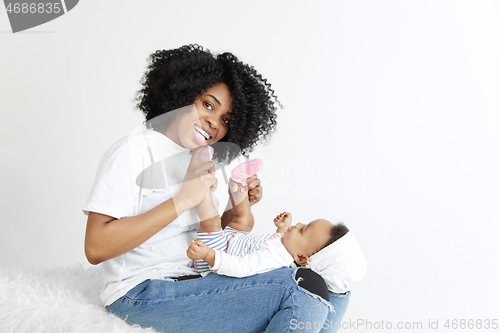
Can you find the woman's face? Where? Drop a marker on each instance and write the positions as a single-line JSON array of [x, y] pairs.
[[205, 123]]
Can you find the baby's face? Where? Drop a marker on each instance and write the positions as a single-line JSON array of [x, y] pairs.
[[307, 239]]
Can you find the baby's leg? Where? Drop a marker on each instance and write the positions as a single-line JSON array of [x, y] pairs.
[[209, 216], [210, 230], [243, 218]]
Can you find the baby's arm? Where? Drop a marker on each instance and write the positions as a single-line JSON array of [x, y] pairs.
[[198, 250], [268, 257], [283, 221], [264, 259]]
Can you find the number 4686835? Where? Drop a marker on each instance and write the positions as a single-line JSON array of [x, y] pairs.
[[33, 8], [471, 324]]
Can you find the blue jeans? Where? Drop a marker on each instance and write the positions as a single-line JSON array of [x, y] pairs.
[[270, 302], [334, 320]]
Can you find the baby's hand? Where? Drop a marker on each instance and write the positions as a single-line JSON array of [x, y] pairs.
[[197, 250], [283, 221]]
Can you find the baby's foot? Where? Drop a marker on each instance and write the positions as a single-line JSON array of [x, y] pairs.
[[239, 198]]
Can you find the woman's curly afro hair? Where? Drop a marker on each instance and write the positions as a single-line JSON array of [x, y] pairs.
[[175, 78]]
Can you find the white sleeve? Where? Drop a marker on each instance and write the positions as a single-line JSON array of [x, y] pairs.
[[115, 191], [267, 257]]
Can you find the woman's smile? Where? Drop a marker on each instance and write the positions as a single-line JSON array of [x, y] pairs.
[[203, 136]]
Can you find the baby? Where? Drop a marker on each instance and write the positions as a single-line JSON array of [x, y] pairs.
[[233, 251]]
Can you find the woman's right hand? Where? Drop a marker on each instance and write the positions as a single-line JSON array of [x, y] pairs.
[[197, 181], [108, 237]]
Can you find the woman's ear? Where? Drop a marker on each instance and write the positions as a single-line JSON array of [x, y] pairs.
[[301, 259]]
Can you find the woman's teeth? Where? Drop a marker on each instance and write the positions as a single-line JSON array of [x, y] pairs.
[[202, 132]]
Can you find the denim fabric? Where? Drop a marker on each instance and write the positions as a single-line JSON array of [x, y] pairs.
[[334, 320], [269, 302]]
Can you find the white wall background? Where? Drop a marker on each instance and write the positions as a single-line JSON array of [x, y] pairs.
[[391, 124]]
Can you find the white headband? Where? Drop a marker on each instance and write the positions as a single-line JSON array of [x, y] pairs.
[[341, 264]]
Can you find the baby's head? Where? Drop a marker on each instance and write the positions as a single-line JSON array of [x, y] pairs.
[[304, 240]]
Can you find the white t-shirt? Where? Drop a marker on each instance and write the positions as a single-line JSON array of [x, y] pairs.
[[136, 174]]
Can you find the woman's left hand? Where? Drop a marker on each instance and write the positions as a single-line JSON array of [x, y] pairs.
[[254, 190]]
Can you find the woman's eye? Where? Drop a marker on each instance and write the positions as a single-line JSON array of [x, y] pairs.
[[207, 105], [226, 121]]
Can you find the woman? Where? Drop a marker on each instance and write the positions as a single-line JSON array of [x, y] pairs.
[[141, 216]]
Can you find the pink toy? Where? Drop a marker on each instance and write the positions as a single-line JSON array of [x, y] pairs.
[[246, 170], [206, 154]]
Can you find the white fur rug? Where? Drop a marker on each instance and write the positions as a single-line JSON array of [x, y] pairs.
[[59, 300]]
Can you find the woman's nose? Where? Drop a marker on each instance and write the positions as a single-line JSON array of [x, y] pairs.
[[212, 122], [298, 225]]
